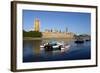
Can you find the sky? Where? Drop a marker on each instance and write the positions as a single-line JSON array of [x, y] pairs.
[[76, 22]]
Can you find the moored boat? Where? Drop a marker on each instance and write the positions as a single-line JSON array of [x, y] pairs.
[[79, 41]]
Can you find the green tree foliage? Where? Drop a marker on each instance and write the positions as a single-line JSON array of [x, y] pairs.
[[32, 34]]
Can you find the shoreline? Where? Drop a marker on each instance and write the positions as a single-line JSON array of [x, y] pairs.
[[30, 38]]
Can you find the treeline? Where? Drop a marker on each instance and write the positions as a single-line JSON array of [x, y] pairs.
[[32, 34]]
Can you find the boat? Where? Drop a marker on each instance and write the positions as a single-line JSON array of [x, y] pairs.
[[87, 40], [54, 46], [79, 41]]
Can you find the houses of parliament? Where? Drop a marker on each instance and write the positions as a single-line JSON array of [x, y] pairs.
[[50, 33]]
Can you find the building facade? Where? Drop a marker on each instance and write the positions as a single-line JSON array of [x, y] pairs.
[[50, 33], [62, 35]]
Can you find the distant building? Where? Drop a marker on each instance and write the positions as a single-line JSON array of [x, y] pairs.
[[66, 29], [36, 25], [57, 35], [52, 33]]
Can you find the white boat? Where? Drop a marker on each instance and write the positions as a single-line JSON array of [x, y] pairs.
[[54, 46]]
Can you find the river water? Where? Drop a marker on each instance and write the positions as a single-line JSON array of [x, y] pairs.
[[33, 53]]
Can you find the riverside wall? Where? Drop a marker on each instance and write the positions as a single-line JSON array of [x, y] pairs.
[[57, 35]]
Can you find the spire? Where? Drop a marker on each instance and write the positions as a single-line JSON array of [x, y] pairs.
[[66, 29]]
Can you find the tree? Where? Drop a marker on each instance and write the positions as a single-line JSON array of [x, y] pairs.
[[32, 34]]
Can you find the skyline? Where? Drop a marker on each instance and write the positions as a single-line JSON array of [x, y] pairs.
[[78, 23]]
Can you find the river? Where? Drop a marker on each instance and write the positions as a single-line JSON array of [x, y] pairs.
[[33, 53]]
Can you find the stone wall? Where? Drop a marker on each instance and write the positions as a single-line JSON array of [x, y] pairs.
[[57, 35]]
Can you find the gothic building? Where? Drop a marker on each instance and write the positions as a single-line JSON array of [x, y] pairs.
[[36, 25]]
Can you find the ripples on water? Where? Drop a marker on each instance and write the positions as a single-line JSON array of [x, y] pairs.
[[33, 53]]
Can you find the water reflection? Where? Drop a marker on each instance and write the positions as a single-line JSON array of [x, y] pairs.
[[33, 53], [36, 46]]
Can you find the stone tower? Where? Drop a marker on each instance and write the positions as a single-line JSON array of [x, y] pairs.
[[36, 25]]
